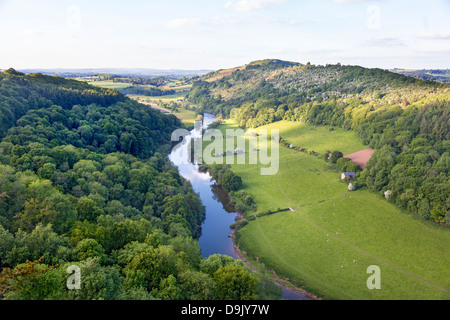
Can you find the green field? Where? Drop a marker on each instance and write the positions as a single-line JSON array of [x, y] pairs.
[[188, 117], [165, 99], [334, 235], [315, 138], [108, 84]]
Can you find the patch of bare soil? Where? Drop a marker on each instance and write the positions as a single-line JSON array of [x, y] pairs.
[[361, 157]]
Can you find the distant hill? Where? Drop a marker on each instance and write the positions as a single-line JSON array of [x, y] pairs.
[[22, 94], [403, 118], [275, 83], [439, 75], [128, 72]]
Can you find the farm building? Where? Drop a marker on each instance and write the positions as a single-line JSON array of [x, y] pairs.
[[347, 175]]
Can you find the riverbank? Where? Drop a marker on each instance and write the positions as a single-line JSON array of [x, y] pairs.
[[215, 238], [290, 291], [284, 283], [330, 238]]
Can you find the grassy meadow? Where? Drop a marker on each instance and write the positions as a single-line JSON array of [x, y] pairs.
[[334, 235], [188, 117], [108, 84], [155, 99]]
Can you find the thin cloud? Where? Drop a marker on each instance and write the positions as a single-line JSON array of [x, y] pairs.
[[385, 42], [32, 32], [350, 1], [434, 35], [249, 5], [218, 20], [182, 22], [224, 19]]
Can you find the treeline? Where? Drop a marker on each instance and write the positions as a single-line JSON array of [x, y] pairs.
[[269, 91], [119, 211], [404, 119], [156, 81], [146, 91], [440, 75], [20, 93], [412, 151], [411, 162], [232, 183], [124, 127], [224, 177], [412, 158]]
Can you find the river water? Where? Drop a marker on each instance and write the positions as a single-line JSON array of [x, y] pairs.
[[215, 237]]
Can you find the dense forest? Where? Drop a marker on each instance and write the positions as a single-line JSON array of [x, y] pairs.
[[85, 181], [405, 120]]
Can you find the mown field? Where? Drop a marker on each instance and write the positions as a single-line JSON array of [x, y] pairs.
[[334, 235], [165, 99], [188, 117], [109, 84], [180, 87]]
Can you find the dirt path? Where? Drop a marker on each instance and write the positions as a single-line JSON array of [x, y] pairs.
[[163, 110]]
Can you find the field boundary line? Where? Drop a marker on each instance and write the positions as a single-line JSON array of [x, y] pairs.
[[289, 265], [308, 219]]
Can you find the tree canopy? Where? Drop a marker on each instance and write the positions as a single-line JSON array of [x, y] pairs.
[[406, 121], [85, 181]]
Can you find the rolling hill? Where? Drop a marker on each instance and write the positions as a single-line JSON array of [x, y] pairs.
[[404, 119], [439, 75], [331, 234]]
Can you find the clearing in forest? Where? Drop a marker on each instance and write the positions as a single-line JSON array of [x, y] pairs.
[[361, 157]]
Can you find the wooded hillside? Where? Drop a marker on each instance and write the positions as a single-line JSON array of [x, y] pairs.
[[85, 181], [405, 119]]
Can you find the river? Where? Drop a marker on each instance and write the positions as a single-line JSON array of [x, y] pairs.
[[215, 237]]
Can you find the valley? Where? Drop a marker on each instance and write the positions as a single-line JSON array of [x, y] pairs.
[[224, 158], [333, 235], [325, 243], [303, 227]]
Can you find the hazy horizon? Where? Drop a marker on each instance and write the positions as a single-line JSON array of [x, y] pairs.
[[183, 70], [206, 35]]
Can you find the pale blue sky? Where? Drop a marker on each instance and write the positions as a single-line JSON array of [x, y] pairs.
[[215, 34]]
